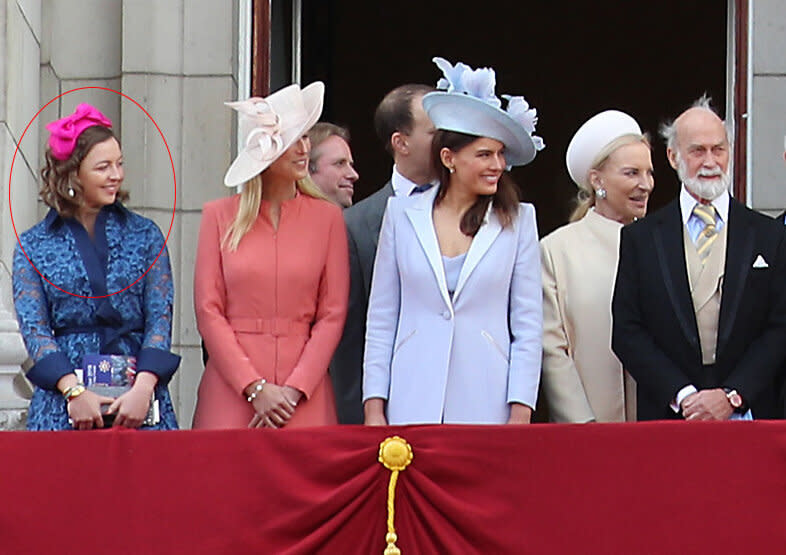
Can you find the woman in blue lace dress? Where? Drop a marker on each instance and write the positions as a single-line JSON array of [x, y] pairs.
[[80, 285]]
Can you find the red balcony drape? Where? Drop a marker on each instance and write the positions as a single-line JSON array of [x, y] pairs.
[[628, 488]]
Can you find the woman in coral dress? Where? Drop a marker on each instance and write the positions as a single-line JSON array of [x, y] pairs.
[[272, 277]]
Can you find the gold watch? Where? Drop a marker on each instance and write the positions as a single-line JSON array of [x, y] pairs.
[[73, 392]]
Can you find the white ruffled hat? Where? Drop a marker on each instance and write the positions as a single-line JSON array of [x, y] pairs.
[[592, 137], [269, 126], [467, 103]]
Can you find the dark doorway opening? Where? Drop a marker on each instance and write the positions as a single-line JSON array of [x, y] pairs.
[[568, 59]]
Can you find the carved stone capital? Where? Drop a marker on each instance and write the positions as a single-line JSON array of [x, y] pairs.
[[13, 419]]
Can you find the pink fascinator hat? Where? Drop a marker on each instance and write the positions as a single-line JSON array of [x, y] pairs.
[[269, 126], [64, 132]]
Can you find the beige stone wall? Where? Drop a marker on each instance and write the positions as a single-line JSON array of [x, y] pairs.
[[768, 114], [179, 57], [20, 48]]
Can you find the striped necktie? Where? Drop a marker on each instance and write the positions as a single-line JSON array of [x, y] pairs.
[[706, 213]]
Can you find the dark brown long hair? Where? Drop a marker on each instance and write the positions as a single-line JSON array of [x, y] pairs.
[[505, 201], [58, 175]]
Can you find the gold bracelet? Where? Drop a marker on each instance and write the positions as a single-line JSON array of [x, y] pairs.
[[257, 390], [73, 392]]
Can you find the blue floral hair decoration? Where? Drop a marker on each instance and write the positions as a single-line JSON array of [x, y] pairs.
[[481, 83]]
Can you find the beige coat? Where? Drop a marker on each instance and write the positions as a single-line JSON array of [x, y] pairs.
[[582, 379]]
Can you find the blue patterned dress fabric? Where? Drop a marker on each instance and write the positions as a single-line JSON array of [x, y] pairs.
[[59, 327]]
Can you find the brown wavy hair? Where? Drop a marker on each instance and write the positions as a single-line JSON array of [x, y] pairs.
[[58, 176], [505, 202]]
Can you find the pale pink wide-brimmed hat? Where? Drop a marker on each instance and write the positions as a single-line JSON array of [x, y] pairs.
[[269, 126]]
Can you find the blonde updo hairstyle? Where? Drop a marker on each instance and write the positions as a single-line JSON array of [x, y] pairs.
[[585, 199]]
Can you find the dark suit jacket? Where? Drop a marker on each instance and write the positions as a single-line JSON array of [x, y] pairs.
[[781, 218], [346, 369], [655, 334]]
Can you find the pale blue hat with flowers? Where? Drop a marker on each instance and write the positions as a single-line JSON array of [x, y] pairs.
[[467, 103]]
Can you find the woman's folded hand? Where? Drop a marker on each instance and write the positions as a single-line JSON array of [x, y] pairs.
[[273, 407], [519, 414], [131, 407], [85, 410]]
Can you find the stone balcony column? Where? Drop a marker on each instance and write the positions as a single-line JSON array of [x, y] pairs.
[[20, 45], [13, 404]]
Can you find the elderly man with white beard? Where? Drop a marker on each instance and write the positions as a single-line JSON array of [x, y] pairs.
[[699, 306]]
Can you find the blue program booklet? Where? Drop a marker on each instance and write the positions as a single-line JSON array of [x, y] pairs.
[[111, 376], [114, 370]]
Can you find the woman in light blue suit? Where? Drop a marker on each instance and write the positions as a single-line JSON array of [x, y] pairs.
[[455, 314]]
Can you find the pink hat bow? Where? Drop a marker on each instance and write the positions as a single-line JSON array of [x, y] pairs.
[[64, 132], [261, 126], [269, 126]]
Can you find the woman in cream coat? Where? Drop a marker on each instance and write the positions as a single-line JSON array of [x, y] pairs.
[[609, 159], [454, 320]]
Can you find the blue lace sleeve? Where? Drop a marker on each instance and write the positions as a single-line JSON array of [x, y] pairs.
[[155, 356], [32, 312]]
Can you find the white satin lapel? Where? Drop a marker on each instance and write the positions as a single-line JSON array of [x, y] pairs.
[[419, 215], [480, 245]]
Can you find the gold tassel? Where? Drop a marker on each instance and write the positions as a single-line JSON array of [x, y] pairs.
[[395, 454]]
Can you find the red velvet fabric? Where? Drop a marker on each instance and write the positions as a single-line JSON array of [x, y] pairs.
[[598, 488]]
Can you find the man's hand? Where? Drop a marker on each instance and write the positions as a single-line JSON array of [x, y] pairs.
[[707, 404]]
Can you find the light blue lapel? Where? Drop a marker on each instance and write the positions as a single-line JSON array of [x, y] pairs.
[[419, 214], [480, 245]]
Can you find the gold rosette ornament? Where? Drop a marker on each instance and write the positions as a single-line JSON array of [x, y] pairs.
[[395, 454]]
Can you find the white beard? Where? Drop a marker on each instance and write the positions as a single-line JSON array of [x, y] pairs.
[[709, 189]]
